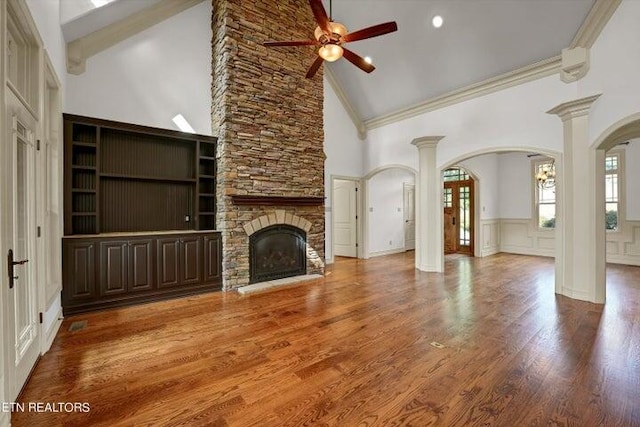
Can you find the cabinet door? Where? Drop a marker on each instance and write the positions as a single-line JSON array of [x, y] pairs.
[[79, 272], [191, 260], [113, 267], [212, 258], [140, 265], [168, 260]]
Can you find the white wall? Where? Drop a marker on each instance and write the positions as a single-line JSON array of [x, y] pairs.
[[515, 186], [632, 166], [614, 65], [386, 210], [485, 169], [46, 16], [514, 117], [152, 76], [344, 151]]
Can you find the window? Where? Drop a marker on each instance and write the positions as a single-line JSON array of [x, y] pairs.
[[611, 190], [545, 197], [455, 174]]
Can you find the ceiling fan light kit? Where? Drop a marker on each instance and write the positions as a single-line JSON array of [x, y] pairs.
[[330, 37]]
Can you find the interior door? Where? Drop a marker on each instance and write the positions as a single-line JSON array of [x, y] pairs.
[[345, 218], [22, 316], [458, 217], [409, 217]]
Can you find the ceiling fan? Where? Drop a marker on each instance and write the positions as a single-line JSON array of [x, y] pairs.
[[331, 36]]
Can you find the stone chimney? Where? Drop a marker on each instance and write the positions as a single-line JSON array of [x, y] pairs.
[[269, 122]]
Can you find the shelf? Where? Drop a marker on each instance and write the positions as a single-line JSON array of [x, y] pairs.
[[84, 144], [147, 178], [207, 176], [213, 159], [207, 195], [89, 168], [206, 213], [82, 190], [248, 200], [83, 214]]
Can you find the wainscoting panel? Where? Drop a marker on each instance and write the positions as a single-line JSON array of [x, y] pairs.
[[489, 236], [518, 236]]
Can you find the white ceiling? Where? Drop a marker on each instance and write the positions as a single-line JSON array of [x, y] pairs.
[[480, 39]]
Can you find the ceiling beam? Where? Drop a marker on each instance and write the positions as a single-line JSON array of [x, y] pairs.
[[79, 50]]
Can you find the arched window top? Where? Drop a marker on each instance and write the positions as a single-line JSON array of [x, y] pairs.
[[455, 174]]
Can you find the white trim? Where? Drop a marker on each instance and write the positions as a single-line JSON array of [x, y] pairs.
[[79, 50], [522, 75], [51, 333], [379, 169], [620, 131], [387, 252], [594, 23], [346, 104], [5, 419]]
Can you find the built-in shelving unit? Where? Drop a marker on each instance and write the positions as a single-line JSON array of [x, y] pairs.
[[136, 199], [206, 185], [122, 177]]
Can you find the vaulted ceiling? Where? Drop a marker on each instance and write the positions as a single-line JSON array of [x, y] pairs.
[[480, 39]]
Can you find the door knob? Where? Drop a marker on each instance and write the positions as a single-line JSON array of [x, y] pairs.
[[10, 264]]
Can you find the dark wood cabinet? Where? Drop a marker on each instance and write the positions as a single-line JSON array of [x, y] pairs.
[[111, 271], [112, 165]]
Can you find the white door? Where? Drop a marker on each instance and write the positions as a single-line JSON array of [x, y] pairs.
[[409, 217], [22, 315], [345, 218]]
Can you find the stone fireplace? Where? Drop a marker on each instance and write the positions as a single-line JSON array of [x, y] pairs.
[[268, 119], [279, 249]]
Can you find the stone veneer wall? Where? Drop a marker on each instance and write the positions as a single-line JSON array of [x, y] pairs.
[[269, 122]]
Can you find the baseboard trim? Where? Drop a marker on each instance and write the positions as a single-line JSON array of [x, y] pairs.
[[623, 259], [526, 251], [489, 251], [53, 331], [5, 419], [388, 252]]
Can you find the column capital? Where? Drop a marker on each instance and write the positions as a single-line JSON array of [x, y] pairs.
[[574, 109], [426, 142]]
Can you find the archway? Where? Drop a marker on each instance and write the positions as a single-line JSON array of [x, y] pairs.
[[620, 236], [489, 224], [367, 214]]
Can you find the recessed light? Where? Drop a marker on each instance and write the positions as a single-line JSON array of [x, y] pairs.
[[437, 21], [183, 124], [367, 59]]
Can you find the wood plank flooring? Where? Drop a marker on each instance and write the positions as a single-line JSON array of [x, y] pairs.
[[354, 349]]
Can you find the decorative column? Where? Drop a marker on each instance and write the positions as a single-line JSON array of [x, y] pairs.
[[429, 231], [582, 272]]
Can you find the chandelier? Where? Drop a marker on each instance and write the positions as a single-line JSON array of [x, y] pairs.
[[546, 175]]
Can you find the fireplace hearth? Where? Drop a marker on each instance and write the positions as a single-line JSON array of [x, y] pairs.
[[276, 252]]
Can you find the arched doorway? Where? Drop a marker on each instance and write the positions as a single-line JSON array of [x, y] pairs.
[[458, 211], [617, 210]]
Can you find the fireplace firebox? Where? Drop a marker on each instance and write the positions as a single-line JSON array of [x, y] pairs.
[[276, 252]]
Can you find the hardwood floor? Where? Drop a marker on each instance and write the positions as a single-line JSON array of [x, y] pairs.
[[355, 349]]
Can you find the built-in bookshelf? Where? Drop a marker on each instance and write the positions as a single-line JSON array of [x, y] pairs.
[[121, 177]]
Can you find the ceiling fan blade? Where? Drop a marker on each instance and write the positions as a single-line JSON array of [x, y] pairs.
[[367, 33], [321, 15], [357, 61], [291, 43], [314, 67]]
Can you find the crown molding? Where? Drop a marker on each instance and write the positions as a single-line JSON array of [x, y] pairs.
[[346, 104], [529, 73], [79, 50], [599, 15]]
